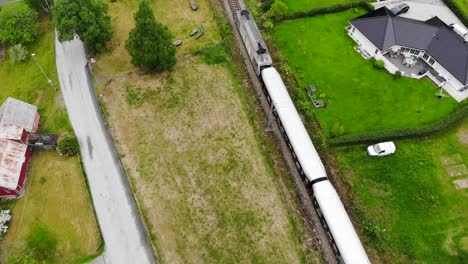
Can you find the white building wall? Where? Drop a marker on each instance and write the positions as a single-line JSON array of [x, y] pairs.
[[454, 82], [364, 43]]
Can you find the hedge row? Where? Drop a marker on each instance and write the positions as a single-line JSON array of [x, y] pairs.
[[393, 134], [456, 9], [330, 9]]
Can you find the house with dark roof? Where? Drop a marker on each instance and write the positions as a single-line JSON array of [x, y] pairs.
[[416, 48]]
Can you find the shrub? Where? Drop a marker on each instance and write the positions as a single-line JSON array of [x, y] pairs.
[[397, 75], [17, 53], [266, 4], [268, 25], [379, 64], [337, 130], [68, 145], [278, 11], [394, 134], [41, 6], [18, 24]]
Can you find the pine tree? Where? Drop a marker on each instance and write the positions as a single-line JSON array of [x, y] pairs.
[[150, 43]]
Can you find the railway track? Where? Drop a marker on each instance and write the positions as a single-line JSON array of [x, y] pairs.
[[234, 6], [304, 194]]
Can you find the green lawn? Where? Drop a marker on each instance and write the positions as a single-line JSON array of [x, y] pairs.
[[24, 81], [54, 220], [358, 96], [305, 5], [463, 4], [407, 203]]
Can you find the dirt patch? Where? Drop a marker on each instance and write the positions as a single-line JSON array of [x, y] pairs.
[[463, 135], [451, 159], [457, 170]]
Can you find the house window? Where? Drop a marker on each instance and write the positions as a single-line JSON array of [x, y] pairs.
[[352, 30], [412, 51], [376, 51], [431, 61], [426, 56], [416, 52]]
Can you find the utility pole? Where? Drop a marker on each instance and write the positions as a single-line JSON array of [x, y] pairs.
[[43, 72]]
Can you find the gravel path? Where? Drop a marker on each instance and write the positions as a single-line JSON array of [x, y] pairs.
[[124, 235]]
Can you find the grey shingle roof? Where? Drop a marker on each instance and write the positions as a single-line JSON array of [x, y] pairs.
[[15, 112], [435, 37]]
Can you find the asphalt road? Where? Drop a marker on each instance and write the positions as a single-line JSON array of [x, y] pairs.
[[121, 225]]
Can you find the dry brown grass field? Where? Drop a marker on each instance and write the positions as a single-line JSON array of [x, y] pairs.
[[204, 184]]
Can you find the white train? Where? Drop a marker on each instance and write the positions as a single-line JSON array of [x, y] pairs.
[[340, 230]]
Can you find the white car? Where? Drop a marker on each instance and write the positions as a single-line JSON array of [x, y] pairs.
[[381, 149]]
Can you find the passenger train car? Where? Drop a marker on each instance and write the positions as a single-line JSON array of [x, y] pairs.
[[340, 230], [253, 41]]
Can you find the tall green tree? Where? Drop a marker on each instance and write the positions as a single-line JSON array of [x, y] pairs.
[[150, 43], [18, 24], [86, 18], [41, 6]]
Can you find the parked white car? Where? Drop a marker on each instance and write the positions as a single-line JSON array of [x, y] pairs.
[[381, 149]]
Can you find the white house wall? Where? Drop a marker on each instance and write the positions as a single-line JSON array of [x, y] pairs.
[[365, 44]]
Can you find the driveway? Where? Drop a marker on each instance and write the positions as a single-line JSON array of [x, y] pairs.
[[124, 236], [424, 10]]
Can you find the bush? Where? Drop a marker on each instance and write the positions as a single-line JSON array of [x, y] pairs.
[[330, 9], [379, 64], [456, 9], [278, 11], [394, 134], [397, 75], [86, 18], [68, 145], [17, 53], [18, 24], [41, 6], [337, 130], [268, 25], [266, 4]]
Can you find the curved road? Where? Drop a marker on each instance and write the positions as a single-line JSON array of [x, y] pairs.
[[124, 236]]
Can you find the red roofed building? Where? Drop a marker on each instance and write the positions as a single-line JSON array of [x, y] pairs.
[[17, 120]]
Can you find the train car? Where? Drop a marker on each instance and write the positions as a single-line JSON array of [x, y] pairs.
[[340, 230], [306, 157], [253, 41]]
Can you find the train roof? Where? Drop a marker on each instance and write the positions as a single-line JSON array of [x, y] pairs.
[[292, 123], [341, 228], [253, 34]]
